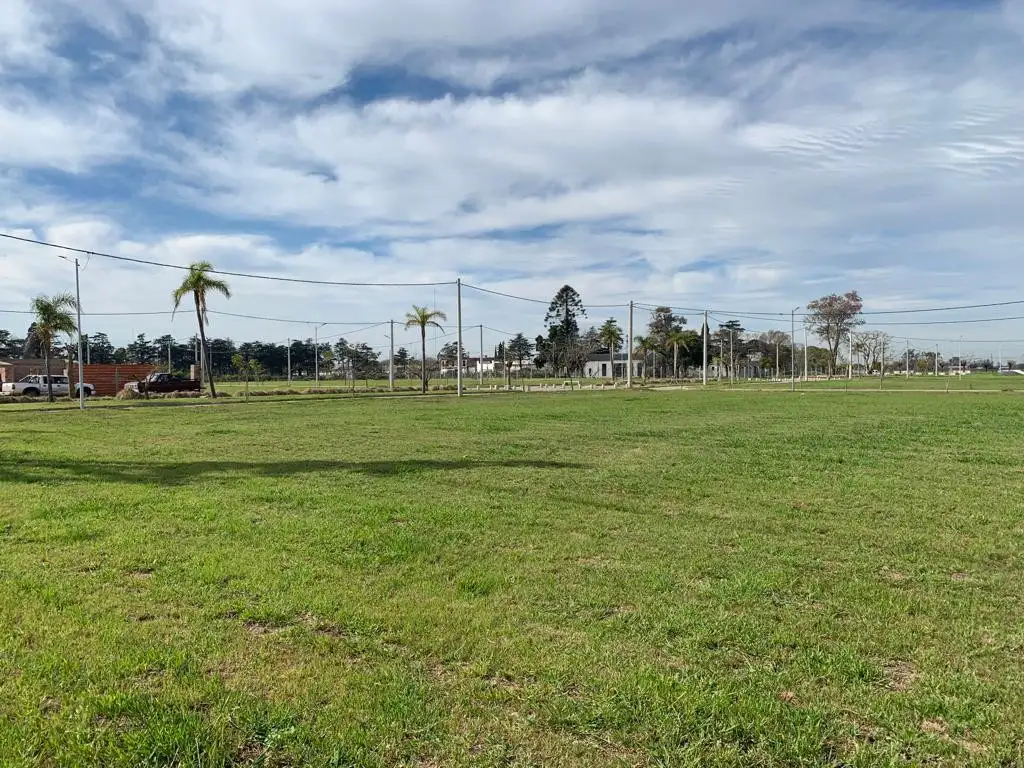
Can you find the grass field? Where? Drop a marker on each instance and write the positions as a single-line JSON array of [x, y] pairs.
[[976, 382], [593, 579]]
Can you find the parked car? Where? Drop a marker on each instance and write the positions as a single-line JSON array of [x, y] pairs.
[[34, 386], [164, 382]]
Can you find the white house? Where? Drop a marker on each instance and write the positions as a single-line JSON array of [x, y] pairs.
[[599, 366], [471, 366]]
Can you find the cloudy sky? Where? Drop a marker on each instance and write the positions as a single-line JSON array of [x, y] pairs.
[[738, 154]]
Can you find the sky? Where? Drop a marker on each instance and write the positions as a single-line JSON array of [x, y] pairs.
[[736, 155]]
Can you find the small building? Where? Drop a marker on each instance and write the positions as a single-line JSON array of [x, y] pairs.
[[14, 369], [599, 366], [471, 366]]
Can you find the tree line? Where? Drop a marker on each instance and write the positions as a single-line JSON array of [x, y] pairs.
[[666, 349]]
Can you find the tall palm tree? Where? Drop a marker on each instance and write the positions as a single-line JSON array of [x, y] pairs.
[[423, 318], [199, 283], [610, 334], [52, 318], [644, 346], [677, 339]]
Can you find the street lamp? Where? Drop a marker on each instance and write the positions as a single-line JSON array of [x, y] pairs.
[[792, 347], [316, 355]]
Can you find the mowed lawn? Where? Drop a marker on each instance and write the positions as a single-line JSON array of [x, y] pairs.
[[591, 579]]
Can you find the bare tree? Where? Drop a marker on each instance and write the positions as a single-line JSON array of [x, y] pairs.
[[868, 346], [832, 318]]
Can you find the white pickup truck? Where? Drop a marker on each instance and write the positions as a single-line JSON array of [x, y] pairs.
[[35, 386]]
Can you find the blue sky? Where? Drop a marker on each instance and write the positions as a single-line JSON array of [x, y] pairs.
[[737, 155]]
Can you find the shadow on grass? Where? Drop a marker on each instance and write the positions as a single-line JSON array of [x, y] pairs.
[[33, 469]]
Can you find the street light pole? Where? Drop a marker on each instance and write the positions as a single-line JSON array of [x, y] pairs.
[[458, 352], [316, 355], [792, 347], [850, 375], [806, 346], [705, 335], [629, 350], [81, 373], [391, 360]]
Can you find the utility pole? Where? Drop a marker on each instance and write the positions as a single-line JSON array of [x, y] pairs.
[[391, 360], [629, 351], [936, 361], [850, 375], [806, 346], [170, 365], [481, 366], [289, 361], [316, 355], [458, 352], [81, 373], [792, 346], [881, 372], [705, 334], [778, 373], [732, 359], [908, 359]]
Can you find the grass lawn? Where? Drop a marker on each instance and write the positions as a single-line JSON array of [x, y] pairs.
[[975, 382], [660, 578]]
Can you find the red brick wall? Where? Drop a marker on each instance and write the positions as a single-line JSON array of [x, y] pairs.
[[110, 379]]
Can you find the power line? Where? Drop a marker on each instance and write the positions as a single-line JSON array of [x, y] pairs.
[[227, 273], [945, 309], [284, 320], [539, 301], [212, 312], [954, 322], [754, 315]]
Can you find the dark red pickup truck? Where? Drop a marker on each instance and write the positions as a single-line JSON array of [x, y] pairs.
[[163, 382]]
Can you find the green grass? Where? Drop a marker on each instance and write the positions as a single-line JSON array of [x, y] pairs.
[[660, 578], [976, 382]]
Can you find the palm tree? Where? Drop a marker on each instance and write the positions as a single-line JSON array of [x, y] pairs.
[[610, 334], [645, 345], [423, 318], [199, 283], [677, 339], [52, 318]]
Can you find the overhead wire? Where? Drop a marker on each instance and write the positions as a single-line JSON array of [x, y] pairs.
[[227, 273], [538, 301]]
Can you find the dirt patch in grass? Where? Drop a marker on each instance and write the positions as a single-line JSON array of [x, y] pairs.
[[261, 628], [893, 576], [900, 676], [618, 610], [935, 727], [325, 628], [50, 706]]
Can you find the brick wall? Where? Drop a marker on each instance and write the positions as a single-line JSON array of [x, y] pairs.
[[110, 379]]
